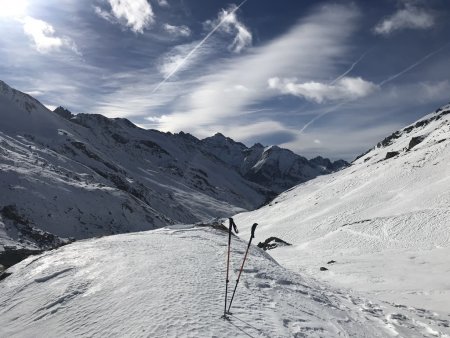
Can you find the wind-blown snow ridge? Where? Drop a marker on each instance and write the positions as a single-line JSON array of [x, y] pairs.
[[170, 283], [384, 220]]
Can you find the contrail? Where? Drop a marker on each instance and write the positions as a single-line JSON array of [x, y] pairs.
[[350, 69], [389, 79], [323, 114], [393, 77], [332, 83], [182, 62]]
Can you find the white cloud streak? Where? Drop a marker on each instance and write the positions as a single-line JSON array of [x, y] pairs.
[[44, 36], [163, 3], [232, 26], [177, 31], [308, 51], [409, 17], [189, 55], [381, 84], [134, 14], [346, 88]]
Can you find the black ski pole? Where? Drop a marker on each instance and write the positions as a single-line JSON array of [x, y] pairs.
[[232, 225], [242, 266]]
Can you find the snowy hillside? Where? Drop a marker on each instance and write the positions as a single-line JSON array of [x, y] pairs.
[[109, 287], [86, 175], [384, 220]]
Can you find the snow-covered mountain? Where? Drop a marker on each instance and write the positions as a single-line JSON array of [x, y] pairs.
[[273, 167], [87, 175], [170, 283], [384, 220]]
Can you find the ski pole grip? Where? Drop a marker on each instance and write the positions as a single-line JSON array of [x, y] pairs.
[[253, 229], [234, 225]]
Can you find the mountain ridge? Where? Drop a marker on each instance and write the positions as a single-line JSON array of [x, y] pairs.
[[58, 168]]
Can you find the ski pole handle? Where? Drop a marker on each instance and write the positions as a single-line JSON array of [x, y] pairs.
[[253, 229], [234, 225]]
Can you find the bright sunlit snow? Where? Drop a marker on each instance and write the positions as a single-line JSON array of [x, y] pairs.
[[385, 221], [170, 283]]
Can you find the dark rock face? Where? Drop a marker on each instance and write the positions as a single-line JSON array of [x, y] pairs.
[[12, 256], [28, 231], [415, 141], [322, 268], [63, 112], [326, 163], [391, 154]]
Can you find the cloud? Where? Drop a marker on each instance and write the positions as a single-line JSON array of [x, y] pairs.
[[346, 88], [248, 131], [169, 63], [175, 59], [43, 36], [13, 9], [163, 3], [310, 50], [177, 31], [134, 14], [105, 15], [409, 17], [232, 26]]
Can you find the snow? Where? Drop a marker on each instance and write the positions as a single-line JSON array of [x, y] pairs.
[[384, 221], [67, 166], [170, 283]]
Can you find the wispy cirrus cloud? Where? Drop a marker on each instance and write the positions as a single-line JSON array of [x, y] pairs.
[[231, 25], [294, 53], [408, 17], [163, 3], [346, 88], [133, 14], [177, 31]]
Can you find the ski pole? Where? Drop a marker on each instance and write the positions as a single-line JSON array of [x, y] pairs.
[[242, 266], [232, 225]]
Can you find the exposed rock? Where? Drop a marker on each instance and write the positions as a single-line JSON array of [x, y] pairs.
[[272, 243], [63, 112], [415, 141], [331, 262], [322, 268], [391, 154], [13, 255]]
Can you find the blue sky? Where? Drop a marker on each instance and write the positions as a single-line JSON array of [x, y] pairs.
[[319, 77]]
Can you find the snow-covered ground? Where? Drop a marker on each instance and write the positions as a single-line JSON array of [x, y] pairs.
[[384, 220], [170, 283]]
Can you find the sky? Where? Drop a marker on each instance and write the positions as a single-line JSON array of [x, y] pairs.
[[328, 78]]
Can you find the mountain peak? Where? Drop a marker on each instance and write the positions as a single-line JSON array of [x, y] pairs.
[[63, 112]]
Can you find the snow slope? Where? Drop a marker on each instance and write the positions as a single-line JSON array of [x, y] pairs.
[[170, 283], [384, 220], [86, 175]]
